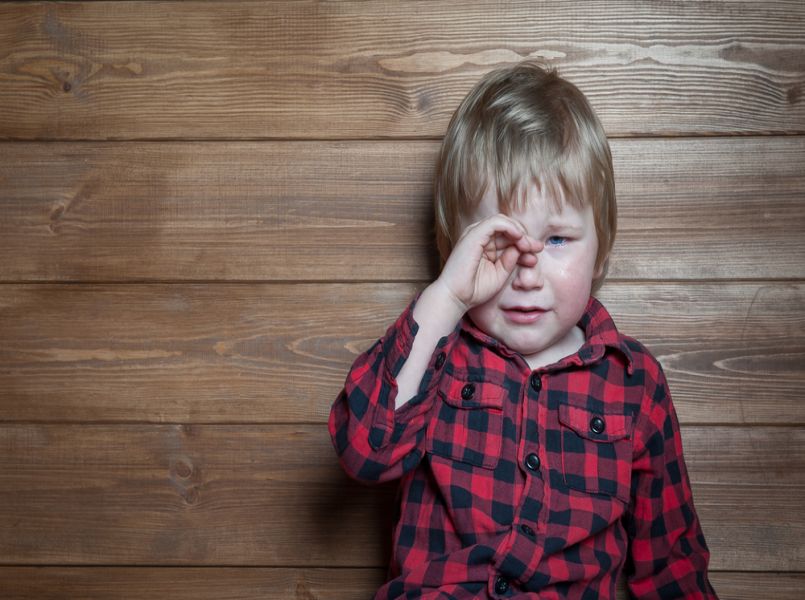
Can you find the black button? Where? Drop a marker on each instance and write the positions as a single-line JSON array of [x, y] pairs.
[[527, 530], [501, 585], [468, 391], [597, 425], [440, 360], [536, 383], [532, 462]]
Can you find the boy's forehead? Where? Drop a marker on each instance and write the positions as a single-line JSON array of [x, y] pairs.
[[535, 200]]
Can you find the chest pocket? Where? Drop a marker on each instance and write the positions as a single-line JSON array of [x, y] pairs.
[[596, 451], [469, 422]]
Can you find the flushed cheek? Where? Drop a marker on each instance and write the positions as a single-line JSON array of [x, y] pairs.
[[487, 317], [574, 276], [572, 281], [564, 274]]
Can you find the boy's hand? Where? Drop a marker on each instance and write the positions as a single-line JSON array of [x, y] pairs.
[[478, 267], [483, 259]]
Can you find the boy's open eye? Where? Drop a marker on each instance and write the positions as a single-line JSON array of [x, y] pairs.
[[556, 240]]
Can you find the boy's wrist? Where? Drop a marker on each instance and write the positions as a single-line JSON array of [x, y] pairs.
[[438, 308]]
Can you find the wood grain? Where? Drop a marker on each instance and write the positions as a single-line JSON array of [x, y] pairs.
[[188, 583], [343, 211], [207, 209], [249, 70], [733, 353], [227, 583], [274, 496]]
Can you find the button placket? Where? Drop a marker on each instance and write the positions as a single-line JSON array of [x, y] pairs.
[[531, 463], [532, 460]]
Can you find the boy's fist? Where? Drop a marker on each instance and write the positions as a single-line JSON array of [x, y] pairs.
[[484, 257]]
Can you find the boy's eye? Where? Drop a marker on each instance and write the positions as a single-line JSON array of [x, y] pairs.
[[556, 240]]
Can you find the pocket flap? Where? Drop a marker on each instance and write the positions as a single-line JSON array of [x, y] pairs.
[[596, 426], [461, 393]]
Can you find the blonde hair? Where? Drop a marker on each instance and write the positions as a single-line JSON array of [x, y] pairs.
[[517, 125]]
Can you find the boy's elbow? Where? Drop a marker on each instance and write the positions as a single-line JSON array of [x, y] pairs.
[[370, 471], [367, 451], [353, 456], [363, 470]]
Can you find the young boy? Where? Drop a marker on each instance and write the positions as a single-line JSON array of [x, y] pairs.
[[538, 447]]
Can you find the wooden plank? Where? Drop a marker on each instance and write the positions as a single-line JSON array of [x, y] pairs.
[[187, 583], [273, 353], [225, 583], [344, 211], [701, 209], [184, 495], [733, 353], [273, 496], [751, 586], [229, 70]]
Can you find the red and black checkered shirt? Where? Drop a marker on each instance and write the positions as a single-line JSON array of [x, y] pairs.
[[549, 481]]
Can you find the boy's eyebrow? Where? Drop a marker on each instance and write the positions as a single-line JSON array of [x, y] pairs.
[[554, 226]]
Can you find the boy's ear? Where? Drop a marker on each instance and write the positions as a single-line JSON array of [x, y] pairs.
[[602, 268]]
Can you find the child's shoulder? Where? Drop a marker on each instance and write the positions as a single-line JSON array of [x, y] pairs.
[[637, 348], [644, 364]]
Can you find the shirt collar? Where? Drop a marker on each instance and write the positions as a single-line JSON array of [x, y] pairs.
[[600, 333]]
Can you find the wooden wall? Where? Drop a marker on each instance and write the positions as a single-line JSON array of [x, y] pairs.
[[207, 209]]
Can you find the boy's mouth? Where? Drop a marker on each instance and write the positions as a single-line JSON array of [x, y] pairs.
[[523, 314]]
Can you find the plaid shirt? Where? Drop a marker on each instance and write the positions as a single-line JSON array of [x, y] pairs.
[[516, 480]]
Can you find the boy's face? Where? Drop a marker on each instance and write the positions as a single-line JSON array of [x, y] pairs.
[[535, 313]]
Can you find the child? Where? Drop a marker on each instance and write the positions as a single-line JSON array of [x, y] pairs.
[[538, 447]]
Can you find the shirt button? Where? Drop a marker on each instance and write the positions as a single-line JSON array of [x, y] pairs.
[[440, 360], [468, 391], [597, 425], [501, 585], [536, 383], [532, 462], [527, 530]]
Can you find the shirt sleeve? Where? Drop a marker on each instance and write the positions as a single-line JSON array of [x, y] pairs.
[[374, 442], [668, 555]]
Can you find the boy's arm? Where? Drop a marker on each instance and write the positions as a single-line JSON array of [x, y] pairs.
[[436, 314], [668, 556], [379, 420], [482, 261]]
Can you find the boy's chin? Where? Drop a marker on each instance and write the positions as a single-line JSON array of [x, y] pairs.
[[526, 348]]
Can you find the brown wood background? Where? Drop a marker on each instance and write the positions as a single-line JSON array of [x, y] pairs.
[[207, 209]]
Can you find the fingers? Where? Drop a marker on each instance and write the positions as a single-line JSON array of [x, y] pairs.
[[529, 245], [501, 231], [510, 258], [485, 256], [507, 243], [491, 249], [527, 259]]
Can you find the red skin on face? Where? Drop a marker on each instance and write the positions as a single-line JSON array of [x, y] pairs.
[[559, 283]]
